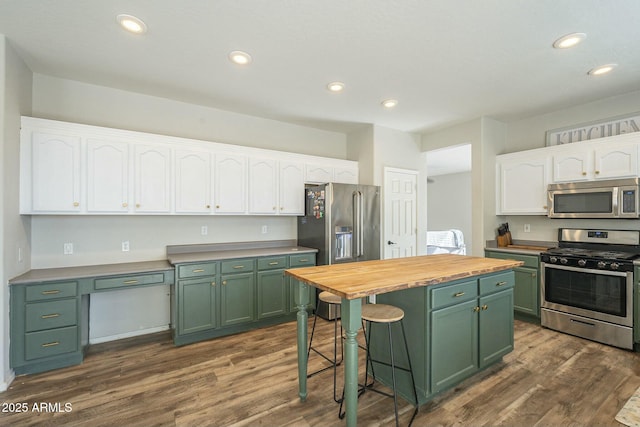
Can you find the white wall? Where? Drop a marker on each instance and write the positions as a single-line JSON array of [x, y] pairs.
[[97, 239], [15, 100], [449, 204]]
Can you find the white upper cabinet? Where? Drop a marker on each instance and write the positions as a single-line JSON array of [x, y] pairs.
[[152, 172], [522, 184], [69, 168], [291, 188], [55, 173], [230, 183], [263, 186], [107, 176], [193, 182], [592, 161]]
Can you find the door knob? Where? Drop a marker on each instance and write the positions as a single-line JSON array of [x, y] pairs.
[[391, 243]]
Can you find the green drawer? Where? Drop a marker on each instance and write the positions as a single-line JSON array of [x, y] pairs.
[[272, 263], [52, 290], [51, 314], [51, 343], [454, 294], [302, 260], [496, 282], [238, 266], [529, 260], [197, 270], [128, 281]]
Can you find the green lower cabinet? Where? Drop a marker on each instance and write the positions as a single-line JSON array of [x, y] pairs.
[[454, 344], [197, 299], [496, 326], [272, 293], [237, 300], [526, 291]]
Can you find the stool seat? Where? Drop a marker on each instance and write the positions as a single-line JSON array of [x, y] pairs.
[[382, 313], [329, 298]]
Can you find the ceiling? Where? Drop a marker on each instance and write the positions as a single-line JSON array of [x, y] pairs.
[[445, 61]]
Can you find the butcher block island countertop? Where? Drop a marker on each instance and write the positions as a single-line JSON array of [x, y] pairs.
[[353, 281], [358, 280]]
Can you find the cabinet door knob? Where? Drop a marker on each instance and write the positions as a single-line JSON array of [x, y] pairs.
[[137, 205], [484, 307], [597, 172], [224, 282], [124, 205], [476, 309], [208, 206], [213, 283], [76, 204], [584, 173]]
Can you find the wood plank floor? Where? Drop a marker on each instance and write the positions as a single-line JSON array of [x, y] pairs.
[[551, 379]]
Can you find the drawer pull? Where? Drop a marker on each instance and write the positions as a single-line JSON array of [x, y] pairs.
[[458, 294], [130, 282], [274, 263], [501, 283], [238, 266], [199, 270], [51, 344], [53, 292], [50, 316], [303, 260]]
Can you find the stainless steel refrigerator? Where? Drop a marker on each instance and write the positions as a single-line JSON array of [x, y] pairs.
[[342, 221]]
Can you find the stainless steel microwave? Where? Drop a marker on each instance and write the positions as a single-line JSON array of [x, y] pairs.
[[594, 199]]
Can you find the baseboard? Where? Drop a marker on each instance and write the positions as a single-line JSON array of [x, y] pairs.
[[128, 334], [4, 385]]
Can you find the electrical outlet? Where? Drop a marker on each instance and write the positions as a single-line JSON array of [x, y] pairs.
[[67, 249], [264, 229], [527, 228], [204, 230], [125, 246]]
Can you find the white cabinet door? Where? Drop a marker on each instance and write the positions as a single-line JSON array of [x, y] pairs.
[[616, 162], [55, 173], [522, 186], [263, 186], [230, 183], [318, 174], [107, 176], [572, 166], [152, 171], [291, 188], [345, 175], [193, 182]]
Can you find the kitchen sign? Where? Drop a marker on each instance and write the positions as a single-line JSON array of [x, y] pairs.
[[599, 129]]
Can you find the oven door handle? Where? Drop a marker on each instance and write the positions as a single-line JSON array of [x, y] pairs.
[[586, 270]]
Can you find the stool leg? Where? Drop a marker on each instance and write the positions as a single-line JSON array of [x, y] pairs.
[[313, 330], [335, 356], [413, 382], [393, 374]]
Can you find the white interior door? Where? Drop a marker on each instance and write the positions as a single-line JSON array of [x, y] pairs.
[[400, 211]]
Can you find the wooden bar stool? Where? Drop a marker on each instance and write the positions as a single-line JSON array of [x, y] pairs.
[[334, 300], [386, 314]]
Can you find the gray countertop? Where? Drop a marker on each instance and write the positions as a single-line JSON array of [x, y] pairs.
[[214, 252], [81, 272]]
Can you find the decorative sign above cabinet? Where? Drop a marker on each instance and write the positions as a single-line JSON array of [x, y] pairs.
[[598, 129]]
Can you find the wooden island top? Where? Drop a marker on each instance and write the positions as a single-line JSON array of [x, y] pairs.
[[361, 279]]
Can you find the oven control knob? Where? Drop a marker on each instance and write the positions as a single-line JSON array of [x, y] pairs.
[[614, 265], [582, 262], [553, 259], [563, 260], [602, 264]]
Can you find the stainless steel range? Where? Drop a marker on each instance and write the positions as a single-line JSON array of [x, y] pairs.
[[587, 284]]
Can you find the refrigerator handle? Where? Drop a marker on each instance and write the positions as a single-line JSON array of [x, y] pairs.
[[358, 221]]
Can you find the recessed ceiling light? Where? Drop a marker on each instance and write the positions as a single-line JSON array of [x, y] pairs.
[[239, 57], [132, 24], [603, 69], [570, 40], [389, 103], [335, 86]]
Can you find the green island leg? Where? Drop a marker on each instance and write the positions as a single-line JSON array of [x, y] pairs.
[[301, 293], [351, 312]]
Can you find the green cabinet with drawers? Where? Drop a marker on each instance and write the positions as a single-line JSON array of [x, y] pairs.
[[526, 292], [469, 326], [228, 296]]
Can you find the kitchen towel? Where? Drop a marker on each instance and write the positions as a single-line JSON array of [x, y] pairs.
[[629, 415]]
